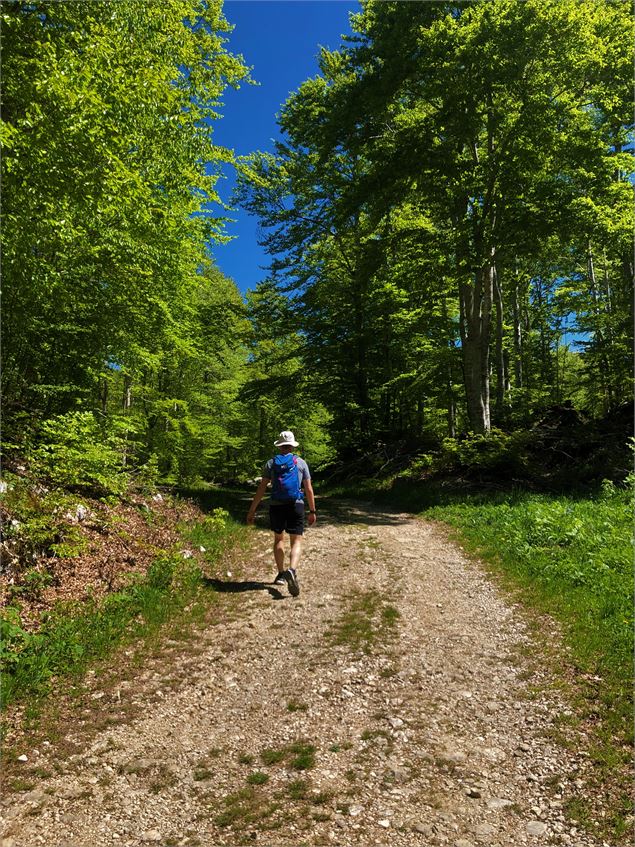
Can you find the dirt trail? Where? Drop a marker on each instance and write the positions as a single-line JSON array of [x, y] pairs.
[[387, 705]]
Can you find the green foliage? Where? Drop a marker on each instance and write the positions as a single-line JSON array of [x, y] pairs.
[[38, 522], [32, 582], [14, 639], [450, 202], [419, 466], [74, 452], [279, 392], [497, 452], [110, 298], [211, 532], [161, 572], [146, 476]]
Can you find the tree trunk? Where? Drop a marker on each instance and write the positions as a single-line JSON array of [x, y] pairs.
[[604, 367], [501, 375], [126, 403], [419, 417], [450, 398], [518, 337], [104, 396], [126, 400], [475, 299], [361, 372], [451, 404]]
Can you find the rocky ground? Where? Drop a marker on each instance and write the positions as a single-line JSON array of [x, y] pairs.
[[395, 702]]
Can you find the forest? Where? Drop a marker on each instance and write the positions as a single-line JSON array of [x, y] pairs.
[[445, 323], [448, 213]]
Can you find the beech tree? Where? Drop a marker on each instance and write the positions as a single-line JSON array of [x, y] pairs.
[[466, 141], [107, 128]]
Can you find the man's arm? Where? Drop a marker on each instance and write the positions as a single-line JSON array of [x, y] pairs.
[[260, 493], [310, 496]]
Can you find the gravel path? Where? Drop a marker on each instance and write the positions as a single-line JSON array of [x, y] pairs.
[[388, 705]]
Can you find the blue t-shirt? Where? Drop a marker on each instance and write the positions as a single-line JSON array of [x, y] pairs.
[[303, 473]]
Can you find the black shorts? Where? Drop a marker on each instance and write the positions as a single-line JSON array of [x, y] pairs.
[[289, 516]]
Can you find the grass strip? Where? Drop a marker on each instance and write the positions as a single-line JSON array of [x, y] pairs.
[[365, 621], [573, 559]]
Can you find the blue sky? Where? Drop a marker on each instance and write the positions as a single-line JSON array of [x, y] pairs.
[[281, 40]]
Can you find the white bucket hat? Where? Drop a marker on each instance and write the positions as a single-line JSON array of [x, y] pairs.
[[286, 438]]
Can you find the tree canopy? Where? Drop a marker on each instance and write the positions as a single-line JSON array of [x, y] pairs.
[[447, 188], [448, 213]]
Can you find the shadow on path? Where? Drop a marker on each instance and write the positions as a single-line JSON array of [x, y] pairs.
[[332, 511], [339, 512], [233, 587]]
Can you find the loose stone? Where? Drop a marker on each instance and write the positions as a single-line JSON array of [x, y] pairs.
[[498, 803], [484, 829], [536, 828], [151, 835]]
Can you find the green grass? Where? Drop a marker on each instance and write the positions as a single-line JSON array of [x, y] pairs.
[[365, 621], [303, 756], [298, 789], [77, 635], [258, 778], [293, 706], [246, 807], [271, 756], [573, 557], [300, 755]]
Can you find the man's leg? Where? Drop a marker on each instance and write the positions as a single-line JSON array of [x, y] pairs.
[[278, 550], [296, 550], [292, 576], [276, 522]]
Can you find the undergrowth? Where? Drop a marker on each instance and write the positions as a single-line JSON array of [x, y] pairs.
[[75, 635]]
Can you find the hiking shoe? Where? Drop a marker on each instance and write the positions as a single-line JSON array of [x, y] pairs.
[[292, 582], [281, 578]]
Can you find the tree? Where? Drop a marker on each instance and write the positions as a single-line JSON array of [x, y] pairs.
[[482, 119], [279, 391], [107, 126]]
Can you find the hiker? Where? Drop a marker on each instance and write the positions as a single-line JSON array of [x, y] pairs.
[[288, 474]]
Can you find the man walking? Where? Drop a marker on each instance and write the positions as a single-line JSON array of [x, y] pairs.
[[289, 475]]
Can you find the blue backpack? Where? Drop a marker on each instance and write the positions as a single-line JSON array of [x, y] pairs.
[[285, 480]]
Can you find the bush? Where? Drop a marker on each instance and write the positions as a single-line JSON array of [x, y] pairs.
[[160, 573], [36, 522], [13, 638], [419, 466], [495, 452], [74, 452]]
